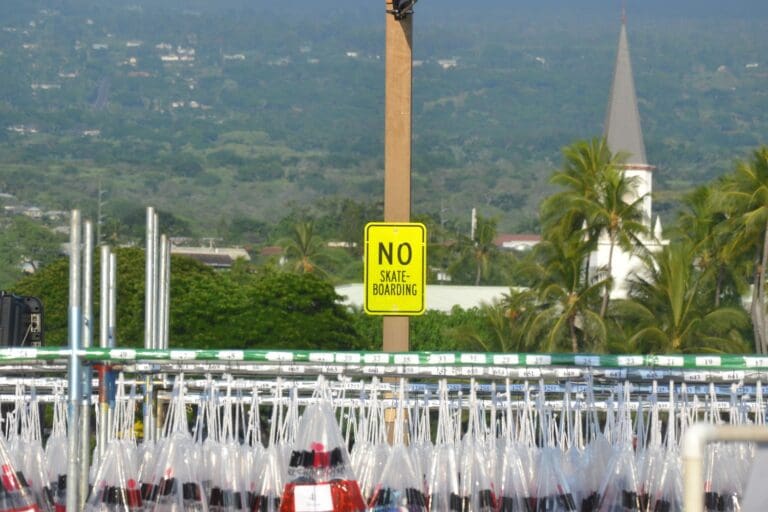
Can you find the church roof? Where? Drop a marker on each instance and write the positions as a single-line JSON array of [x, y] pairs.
[[622, 121]]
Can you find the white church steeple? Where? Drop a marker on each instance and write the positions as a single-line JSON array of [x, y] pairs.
[[622, 124], [624, 134]]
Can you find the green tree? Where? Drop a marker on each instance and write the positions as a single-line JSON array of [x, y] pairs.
[[565, 315], [208, 309], [25, 244], [744, 198], [295, 311], [621, 221], [705, 227], [479, 253], [598, 199], [674, 313], [304, 249]]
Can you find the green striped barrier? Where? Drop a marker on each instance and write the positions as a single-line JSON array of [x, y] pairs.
[[448, 359]]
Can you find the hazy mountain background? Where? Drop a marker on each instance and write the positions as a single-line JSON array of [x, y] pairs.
[[276, 105]]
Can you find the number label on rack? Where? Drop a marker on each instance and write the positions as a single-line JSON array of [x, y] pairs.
[[629, 360], [231, 355], [653, 374], [506, 359], [348, 358], [567, 373], [279, 357], [182, 355], [615, 374], [443, 371], [376, 358], [20, 353], [587, 360], [499, 372], [756, 362], [708, 361], [538, 360], [122, 353], [332, 369], [696, 376], [374, 370], [733, 375], [292, 369], [529, 373], [472, 371], [320, 357], [473, 359], [407, 359], [669, 360], [441, 359]]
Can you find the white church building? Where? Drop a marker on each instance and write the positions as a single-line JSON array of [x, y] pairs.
[[624, 134]]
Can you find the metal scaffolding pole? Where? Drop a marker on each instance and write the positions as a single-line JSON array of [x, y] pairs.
[[87, 342], [74, 373], [112, 325], [149, 285], [150, 296], [161, 334], [112, 339], [104, 305]]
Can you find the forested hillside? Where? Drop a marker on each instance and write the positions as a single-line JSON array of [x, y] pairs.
[[228, 115]]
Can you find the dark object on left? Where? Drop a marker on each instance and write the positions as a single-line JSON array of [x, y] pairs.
[[402, 8], [21, 321]]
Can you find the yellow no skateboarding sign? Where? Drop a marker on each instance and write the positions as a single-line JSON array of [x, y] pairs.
[[395, 268]]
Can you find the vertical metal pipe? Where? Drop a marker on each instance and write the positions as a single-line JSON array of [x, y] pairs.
[[167, 298], [74, 372], [149, 310], [112, 339], [112, 321], [161, 290], [155, 277], [87, 342], [104, 312], [87, 328], [104, 282], [148, 282]]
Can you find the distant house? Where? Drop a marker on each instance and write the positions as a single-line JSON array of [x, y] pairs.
[[33, 212], [447, 63], [517, 242], [56, 214], [216, 257], [273, 252]]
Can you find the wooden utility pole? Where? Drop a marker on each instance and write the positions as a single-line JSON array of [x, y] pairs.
[[397, 146]]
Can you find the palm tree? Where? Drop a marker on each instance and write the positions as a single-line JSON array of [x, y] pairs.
[[705, 227], [673, 311], [745, 200], [304, 248], [565, 299], [583, 167], [478, 252], [612, 215], [598, 200]]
